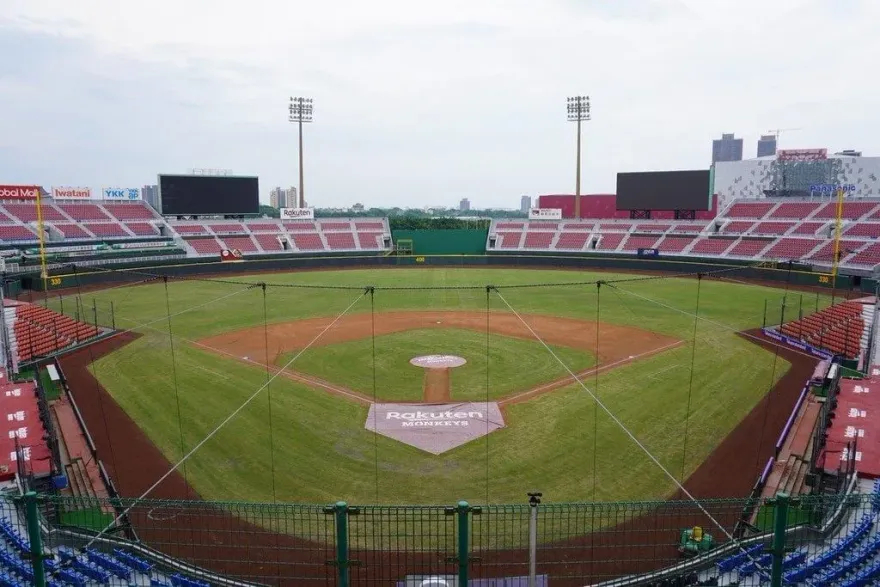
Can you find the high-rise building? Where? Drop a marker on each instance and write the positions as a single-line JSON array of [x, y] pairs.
[[525, 203], [767, 145], [278, 198], [150, 195], [727, 148], [464, 205]]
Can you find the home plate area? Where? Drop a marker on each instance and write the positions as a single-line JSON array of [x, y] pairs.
[[435, 428]]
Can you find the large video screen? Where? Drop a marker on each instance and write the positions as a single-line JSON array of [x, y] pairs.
[[664, 190], [190, 195]]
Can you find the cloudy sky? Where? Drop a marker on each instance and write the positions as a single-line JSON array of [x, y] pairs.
[[423, 103]]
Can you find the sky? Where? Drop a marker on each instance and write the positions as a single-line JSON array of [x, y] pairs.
[[423, 103]]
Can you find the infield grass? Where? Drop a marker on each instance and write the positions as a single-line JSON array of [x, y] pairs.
[[560, 443], [515, 364]]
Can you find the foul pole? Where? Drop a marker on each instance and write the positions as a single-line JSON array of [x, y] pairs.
[[837, 228], [41, 234]]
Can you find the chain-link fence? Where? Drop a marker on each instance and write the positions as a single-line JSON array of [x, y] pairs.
[[810, 540]]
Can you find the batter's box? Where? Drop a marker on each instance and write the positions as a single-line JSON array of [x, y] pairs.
[[435, 428]]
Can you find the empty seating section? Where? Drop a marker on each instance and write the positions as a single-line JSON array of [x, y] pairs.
[[738, 227], [264, 227], [325, 226], [73, 231], [869, 256], [362, 225], [749, 209], [674, 244], [39, 331], [572, 241], [370, 241], [80, 212], [635, 242], [301, 226], [794, 210], [614, 227], [308, 241], [242, 243], [542, 226], [652, 227], [509, 240], [579, 226], [16, 232], [865, 229], [205, 246], [107, 229], [142, 228], [131, 211], [778, 228], [826, 252], [231, 228], [791, 248], [269, 242], [808, 228], [538, 240], [340, 240], [189, 229], [838, 329], [28, 212], [610, 242], [689, 228], [509, 226], [851, 210], [749, 247], [712, 246]]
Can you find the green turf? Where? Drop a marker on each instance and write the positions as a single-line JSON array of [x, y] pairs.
[[559, 443], [514, 364], [89, 518]]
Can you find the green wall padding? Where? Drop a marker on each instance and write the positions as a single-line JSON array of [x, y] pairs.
[[444, 242]]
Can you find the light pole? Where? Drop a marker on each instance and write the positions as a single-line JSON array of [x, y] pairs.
[[578, 111], [300, 111]]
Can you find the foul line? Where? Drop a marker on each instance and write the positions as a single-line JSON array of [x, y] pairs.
[[633, 437], [590, 371], [228, 419]]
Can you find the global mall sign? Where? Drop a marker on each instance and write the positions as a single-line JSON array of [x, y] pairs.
[[19, 192]]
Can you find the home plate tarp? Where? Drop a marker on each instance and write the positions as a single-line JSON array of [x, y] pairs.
[[435, 428]]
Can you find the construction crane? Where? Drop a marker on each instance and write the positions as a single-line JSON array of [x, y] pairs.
[[778, 132]]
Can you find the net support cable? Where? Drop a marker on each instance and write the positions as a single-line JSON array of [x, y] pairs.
[[638, 443], [687, 414], [176, 387]]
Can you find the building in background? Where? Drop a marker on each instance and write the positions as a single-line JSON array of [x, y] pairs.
[[279, 197], [727, 148], [849, 153], [150, 195], [464, 205], [766, 146], [525, 203]]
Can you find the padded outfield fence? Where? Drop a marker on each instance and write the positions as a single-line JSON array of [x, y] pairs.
[[809, 540]]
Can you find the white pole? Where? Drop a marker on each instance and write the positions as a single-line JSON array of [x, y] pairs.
[[534, 501]]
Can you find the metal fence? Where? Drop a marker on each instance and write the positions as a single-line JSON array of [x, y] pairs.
[[816, 540]]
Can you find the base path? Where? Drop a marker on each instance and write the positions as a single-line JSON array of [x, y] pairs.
[[617, 346]]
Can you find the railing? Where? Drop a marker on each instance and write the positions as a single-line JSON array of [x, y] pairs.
[[633, 543]]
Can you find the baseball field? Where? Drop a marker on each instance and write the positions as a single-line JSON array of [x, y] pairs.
[[307, 362]]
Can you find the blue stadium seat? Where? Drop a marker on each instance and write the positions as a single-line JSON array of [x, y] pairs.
[[750, 567], [133, 562], [731, 562], [109, 563], [181, 581]]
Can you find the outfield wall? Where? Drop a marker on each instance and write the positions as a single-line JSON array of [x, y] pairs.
[[460, 241], [72, 276]]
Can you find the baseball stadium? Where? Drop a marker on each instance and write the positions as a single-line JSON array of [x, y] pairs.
[[669, 385]]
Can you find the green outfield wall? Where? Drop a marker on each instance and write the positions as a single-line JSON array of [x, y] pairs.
[[459, 241]]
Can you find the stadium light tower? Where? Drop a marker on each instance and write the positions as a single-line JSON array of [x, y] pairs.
[[300, 111], [578, 112]]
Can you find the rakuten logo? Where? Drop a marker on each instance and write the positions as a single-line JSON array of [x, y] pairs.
[[18, 191]]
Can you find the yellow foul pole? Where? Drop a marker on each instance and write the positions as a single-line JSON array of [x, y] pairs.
[[41, 234], [837, 227]]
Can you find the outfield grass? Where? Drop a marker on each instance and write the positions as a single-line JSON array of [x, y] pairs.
[[515, 364], [558, 443]]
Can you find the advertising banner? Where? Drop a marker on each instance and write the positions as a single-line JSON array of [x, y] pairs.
[[830, 188], [230, 255], [121, 193], [297, 213], [802, 154], [545, 213], [71, 193], [19, 192]]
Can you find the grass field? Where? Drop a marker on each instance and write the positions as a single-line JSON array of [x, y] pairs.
[[518, 364], [559, 443]]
